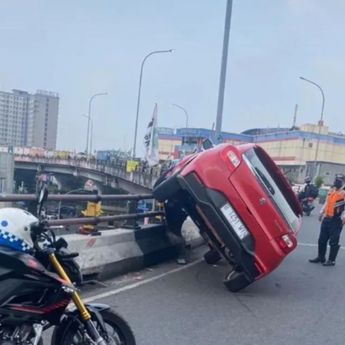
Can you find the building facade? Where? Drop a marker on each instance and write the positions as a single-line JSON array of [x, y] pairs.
[[307, 150], [29, 119]]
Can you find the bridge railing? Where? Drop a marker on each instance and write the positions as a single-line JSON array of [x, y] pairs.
[[142, 177], [130, 217]]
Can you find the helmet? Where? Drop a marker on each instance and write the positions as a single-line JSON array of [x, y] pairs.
[[15, 225], [338, 183], [307, 179]]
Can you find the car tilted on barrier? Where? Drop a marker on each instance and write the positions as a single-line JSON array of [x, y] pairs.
[[242, 204]]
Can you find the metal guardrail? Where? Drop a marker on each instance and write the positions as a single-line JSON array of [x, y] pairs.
[[102, 219], [75, 197], [131, 217]]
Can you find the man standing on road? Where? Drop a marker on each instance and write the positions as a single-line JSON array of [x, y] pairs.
[[333, 218]]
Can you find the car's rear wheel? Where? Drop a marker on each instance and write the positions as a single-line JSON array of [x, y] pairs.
[[212, 257], [236, 281], [166, 188]]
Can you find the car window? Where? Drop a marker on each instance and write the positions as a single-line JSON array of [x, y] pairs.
[[271, 188]]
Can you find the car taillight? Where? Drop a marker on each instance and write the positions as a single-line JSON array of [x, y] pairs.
[[286, 243], [231, 158]]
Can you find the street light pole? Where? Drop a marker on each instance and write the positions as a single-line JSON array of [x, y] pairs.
[[221, 91], [185, 111], [89, 119], [320, 121], [139, 94], [91, 135], [91, 130]]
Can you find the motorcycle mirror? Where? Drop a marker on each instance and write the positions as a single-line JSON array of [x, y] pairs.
[[207, 144], [42, 197]]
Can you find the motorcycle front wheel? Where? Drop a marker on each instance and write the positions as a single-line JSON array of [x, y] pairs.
[[117, 332]]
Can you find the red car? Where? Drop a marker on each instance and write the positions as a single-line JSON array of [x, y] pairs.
[[242, 204]]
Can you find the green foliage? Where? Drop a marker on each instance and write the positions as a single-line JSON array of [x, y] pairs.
[[318, 181]]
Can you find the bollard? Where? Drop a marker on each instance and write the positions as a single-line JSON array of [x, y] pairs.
[[132, 209]]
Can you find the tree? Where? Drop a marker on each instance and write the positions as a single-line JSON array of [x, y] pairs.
[[318, 181]]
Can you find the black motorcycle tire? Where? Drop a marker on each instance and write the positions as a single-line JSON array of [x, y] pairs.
[[124, 331]]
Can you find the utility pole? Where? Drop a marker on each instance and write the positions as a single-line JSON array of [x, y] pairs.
[[222, 80], [295, 117]]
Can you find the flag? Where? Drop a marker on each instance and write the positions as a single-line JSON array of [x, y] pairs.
[[151, 140]]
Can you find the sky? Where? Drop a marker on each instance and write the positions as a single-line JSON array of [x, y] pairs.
[[82, 47]]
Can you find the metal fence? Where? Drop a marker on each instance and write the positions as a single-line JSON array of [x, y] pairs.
[[131, 217]]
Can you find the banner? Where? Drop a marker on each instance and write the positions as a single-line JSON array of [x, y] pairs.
[[151, 140], [131, 166]]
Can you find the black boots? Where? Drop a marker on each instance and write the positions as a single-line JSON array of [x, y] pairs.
[[317, 260], [332, 256], [329, 263], [322, 248]]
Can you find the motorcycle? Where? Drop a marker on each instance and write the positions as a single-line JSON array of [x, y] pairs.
[[308, 205], [36, 291]]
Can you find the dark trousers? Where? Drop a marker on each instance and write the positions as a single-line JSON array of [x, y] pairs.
[[175, 217], [330, 231]]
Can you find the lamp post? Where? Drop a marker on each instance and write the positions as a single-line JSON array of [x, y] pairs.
[[91, 130], [89, 118], [139, 94], [185, 111], [320, 121]]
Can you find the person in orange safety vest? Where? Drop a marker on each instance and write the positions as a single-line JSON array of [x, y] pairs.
[[332, 216]]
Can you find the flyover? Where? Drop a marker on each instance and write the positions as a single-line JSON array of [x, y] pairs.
[[107, 175]]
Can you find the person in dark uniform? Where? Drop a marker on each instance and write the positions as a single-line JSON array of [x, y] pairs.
[[175, 216], [309, 190], [332, 217]]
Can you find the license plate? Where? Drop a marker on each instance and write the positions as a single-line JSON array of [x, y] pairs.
[[234, 221]]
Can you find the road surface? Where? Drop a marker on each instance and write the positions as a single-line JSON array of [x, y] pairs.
[[299, 303]]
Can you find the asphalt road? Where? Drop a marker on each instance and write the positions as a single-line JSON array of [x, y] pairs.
[[299, 303]]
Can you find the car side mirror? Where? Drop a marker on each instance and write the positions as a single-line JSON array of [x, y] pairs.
[[207, 144]]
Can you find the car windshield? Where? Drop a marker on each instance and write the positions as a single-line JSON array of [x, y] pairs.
[[271, 188]]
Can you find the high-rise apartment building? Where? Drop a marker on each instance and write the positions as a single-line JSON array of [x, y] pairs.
[[29, 119]]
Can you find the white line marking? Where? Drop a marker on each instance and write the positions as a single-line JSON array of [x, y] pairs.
[[307, 244], [152, 279], [312, 245], [142, 282]]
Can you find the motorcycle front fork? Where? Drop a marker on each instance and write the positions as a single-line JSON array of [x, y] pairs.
[[84, 313]]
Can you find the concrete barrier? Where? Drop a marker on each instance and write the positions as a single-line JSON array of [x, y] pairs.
[[120, 251]]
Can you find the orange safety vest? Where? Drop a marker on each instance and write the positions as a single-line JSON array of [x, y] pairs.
[[331, 208]]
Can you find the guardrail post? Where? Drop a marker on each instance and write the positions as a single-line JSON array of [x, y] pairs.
[[132, 208]]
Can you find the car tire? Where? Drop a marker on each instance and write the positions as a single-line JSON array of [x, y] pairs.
[[166, 189], [212, 257], [236, 281]]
